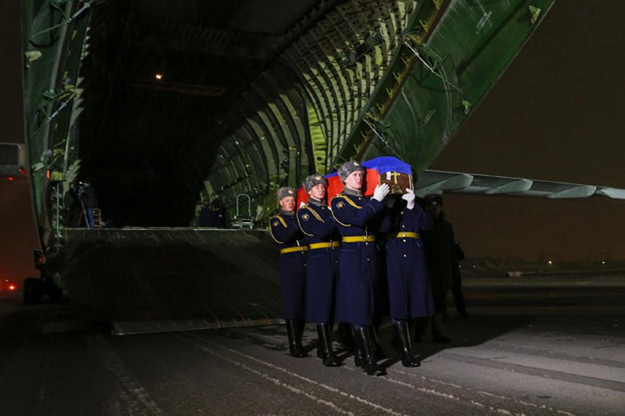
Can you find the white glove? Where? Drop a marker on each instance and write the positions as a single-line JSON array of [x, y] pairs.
[[380, 192], [409, 198], [302, 204]]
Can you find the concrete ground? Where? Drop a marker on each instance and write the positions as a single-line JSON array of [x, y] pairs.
[[531, 346]]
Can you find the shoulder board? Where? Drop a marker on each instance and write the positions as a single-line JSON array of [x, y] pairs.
[[350, 202], [314, 213], [300, 224], [278, 218]]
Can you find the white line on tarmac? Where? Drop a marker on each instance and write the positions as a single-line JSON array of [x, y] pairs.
[[488, 394], [115, 364], [451, 397], [263, 375], [376, 406]]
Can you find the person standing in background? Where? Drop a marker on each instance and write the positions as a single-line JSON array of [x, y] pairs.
[[84, 193], [456, 285], [440, 253]]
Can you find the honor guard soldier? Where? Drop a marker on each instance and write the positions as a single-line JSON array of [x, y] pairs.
[[322, 237], [409, 289], [359, 218], [442, 262], [292, 265]]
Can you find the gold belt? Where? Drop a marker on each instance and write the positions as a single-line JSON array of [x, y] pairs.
[[405, 234], [359, 239], [315, 246], [293, 249]]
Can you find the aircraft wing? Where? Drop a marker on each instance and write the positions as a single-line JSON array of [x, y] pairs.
[[436, 181]]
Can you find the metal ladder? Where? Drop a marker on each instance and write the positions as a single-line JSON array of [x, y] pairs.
[[244, 221], [97, 218]]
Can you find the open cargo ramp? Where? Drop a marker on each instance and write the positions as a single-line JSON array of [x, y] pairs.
[[171, 279]]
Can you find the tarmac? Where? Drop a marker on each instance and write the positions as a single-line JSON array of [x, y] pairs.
[[548, 345]]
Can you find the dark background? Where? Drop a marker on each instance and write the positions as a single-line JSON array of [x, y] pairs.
[[18, 232], [554, 115]]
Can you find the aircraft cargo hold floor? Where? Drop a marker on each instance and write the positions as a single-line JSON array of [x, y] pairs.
[[531, 346], [167, 279]]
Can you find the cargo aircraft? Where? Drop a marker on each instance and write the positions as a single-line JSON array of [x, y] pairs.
[[196, 99]]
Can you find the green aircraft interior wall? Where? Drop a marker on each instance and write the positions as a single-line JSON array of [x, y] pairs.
[[50, 83], [468, 44], [428, 111]]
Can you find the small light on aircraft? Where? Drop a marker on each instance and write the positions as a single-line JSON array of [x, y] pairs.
[[550, 262], [603, 262], [159, 76], [10, 178], [12, 287]]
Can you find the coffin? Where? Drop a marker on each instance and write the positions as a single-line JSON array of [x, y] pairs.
[[385, 169]]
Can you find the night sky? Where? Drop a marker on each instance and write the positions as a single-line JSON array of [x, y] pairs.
[[554, 115]]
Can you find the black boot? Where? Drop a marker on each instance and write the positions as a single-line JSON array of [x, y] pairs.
[[364, 339], [420, 328], [405, 350], [438, 331], [295, 343], [321, 348], [357, 354], [301, 326], [456, 290], [325, 342], [377, 348], [345, 333]]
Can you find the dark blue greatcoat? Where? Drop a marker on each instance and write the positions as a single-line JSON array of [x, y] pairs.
[[442, 260], [317, 223], [410, 291], [358, 299], [285, 231]]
